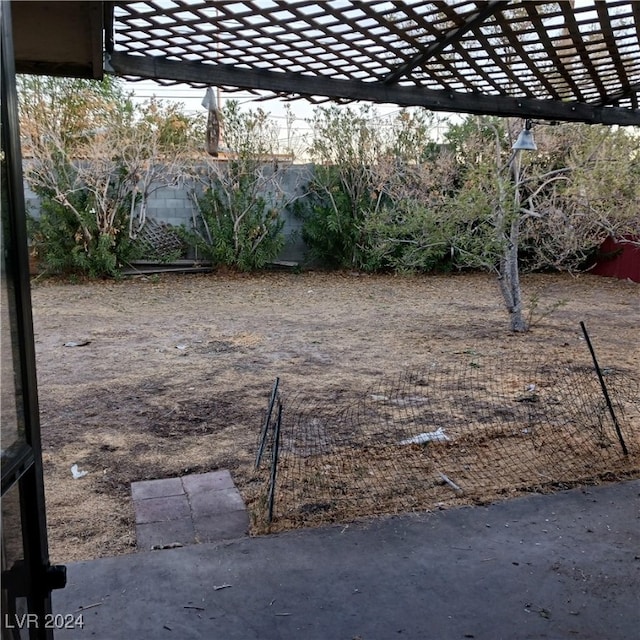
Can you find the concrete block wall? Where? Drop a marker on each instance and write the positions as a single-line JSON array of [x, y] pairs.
[[171, 205], [294, 183], [31, 200], [174, 206]]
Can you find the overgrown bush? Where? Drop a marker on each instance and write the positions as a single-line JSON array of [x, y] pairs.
[[346, 146], [67, 239], [372, 205], [239, 228], [333, 229], [239, 200], [94, 158], [406, 237]]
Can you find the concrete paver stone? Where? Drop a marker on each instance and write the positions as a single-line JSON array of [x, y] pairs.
[[156, 488], [212, 481], [162, 534], [215, 503], [204, 507], [216, 528], [161, 509]]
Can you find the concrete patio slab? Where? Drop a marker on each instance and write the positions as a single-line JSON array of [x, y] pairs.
[[545, 566]]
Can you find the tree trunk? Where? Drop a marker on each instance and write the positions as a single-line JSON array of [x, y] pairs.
[[509, 277], [510, 280]]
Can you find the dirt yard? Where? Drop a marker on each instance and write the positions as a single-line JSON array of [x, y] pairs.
[[176, 371]]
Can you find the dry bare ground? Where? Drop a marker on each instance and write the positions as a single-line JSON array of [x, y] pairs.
[[178, 369]]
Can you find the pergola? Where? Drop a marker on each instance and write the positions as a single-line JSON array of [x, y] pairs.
[[557, 61]]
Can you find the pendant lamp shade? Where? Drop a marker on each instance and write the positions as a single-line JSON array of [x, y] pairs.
[[525, 141]]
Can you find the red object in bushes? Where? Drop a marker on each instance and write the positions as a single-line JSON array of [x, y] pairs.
[[618, 260]]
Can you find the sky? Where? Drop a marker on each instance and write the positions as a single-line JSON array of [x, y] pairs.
[[192, 98]]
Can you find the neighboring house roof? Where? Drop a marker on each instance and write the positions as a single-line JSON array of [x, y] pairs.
[[547, 60]]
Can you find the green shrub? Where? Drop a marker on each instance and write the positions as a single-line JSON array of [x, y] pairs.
[[66, 245], [239, 229], [333, 224], [406, 237]]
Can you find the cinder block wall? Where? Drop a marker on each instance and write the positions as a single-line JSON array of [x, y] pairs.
[[174, 206], [171, 205], [294, 184], [31, 201]]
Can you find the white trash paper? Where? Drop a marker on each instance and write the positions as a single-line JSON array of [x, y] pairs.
[[76, 473], [432, 436]]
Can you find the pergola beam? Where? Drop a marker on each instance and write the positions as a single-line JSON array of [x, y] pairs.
[[156, 68]]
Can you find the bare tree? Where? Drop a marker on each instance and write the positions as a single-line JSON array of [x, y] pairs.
[[97, 158], [579, 201], [553, 206]]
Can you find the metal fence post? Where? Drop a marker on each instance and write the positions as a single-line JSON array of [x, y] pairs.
[[604, 390]]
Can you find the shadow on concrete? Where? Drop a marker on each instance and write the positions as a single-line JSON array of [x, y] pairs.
[[555, 566]]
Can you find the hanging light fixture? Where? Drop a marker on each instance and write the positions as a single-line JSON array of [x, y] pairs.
[[525, 141]]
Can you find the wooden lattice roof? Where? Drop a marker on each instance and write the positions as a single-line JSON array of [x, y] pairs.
[[569, 61]]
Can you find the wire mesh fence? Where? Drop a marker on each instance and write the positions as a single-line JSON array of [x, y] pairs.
[[465, 431]]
